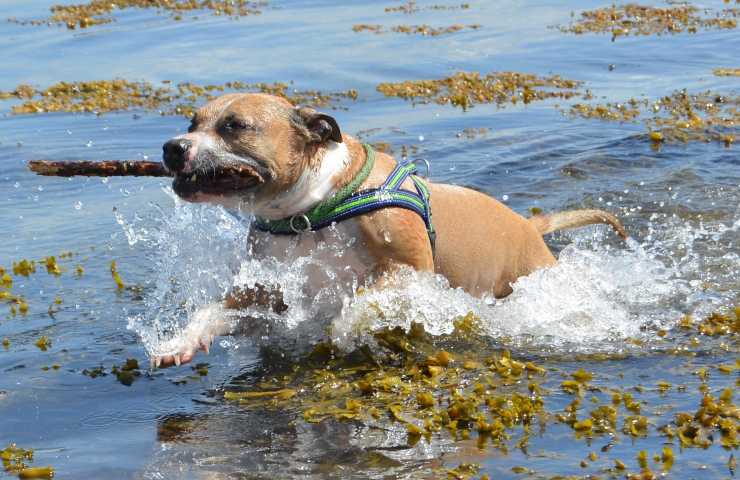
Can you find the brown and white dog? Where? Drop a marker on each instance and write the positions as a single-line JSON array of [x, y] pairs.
[[482, 245]]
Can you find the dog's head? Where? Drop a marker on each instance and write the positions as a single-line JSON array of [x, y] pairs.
[[248, 150]]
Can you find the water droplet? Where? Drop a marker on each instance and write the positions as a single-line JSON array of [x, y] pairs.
[[16, 185], [89, 143], [421, 138], [78, 205], [505, 198], [40, 188]]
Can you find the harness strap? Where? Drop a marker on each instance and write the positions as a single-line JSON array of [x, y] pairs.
[[387, 195]]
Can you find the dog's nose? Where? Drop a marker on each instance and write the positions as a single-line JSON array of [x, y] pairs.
[[174, 152]]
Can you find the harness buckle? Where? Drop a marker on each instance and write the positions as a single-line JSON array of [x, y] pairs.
[[306, 221], [427, 166]]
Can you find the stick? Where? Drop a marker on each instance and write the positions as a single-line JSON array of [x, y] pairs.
[[109, 168], [121, 168]]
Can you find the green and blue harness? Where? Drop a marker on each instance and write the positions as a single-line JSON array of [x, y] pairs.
[[348, 203]]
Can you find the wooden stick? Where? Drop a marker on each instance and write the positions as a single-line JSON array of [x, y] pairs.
[[120, 168], [109, 168]]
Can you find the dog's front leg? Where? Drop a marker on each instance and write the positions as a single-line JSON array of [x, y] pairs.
[[218, 319]]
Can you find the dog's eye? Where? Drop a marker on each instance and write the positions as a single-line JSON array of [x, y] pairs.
[[234, 125]]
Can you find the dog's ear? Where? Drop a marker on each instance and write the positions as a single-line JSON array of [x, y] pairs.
[[318, 127]]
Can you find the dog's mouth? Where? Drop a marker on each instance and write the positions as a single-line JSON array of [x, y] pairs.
[[221, 180]]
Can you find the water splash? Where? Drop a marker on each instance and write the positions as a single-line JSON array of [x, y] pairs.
[[597, 296], [195, 251]]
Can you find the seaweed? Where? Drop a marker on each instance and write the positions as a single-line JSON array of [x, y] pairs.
[[116, 276], [43, 343], [412, 7], [423, 29], [16, 461], [680, 117], [100, 96], [99, 12], [726, 72], [466, 89], [633, 19]]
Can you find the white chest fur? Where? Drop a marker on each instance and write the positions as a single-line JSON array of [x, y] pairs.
[[313, 186]]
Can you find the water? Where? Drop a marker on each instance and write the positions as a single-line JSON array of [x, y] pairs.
[[604, 298]]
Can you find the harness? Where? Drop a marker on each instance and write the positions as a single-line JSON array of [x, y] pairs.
[[347, 203]]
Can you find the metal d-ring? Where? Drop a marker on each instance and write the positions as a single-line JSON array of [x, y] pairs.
[[427, 166], [302, 217]]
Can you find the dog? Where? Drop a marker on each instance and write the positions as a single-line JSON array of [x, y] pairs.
[[306, 164]]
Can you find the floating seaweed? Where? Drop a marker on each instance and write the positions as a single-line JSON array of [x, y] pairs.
[[466, 89], [127, 372], [43, 343], [116, 276], [408, 381], [679, 117], [457, 387], [633, 19], [424, 29], [727, 72], [16, 462], [412, 7], [100, 96], [98, 12]]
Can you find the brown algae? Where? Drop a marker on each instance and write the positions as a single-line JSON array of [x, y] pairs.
[[16, 462], [126, 373], [726, 72], [465, 89], [99, 96], [680, 117], [633, 19], [26, 268], [98, 12], [406, 381], [424, 29], [412, 7], [116, 276]]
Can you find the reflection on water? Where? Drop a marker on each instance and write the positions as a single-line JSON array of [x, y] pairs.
[[612, 308]]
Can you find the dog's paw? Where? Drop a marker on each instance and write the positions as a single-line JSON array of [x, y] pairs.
[[198, 335]]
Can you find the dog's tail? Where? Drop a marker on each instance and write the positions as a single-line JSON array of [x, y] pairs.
[[575, 218]]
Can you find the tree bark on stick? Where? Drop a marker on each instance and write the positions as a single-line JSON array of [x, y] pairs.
[[238, 174], [108, 168]]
